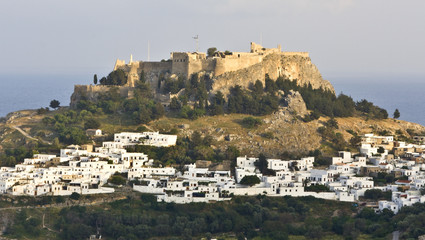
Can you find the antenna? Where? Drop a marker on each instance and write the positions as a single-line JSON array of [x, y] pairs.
[[197, 42], [149, 49]]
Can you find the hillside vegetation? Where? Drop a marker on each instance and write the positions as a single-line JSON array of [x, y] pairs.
[[281, 134], [140, 216], [280, 119]]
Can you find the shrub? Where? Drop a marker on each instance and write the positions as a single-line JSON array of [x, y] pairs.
[[268, 135], [59, 199], [317, 188], [117, 180], [75, 196], [91, 124], [373, 194], [250, 122], [250, 180], [42, 110]]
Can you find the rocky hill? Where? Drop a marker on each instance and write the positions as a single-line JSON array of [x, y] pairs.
[[297, 68], [282, 131], [221, 72]]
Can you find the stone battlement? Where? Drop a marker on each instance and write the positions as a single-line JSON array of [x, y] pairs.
[[92, 92], [225, 69], [187, 63], [302, 54]]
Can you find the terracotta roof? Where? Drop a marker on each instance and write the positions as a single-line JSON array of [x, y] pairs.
[[403, 181]]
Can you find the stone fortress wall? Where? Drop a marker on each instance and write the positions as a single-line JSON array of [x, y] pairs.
[[227, 70], [92, 92], [301, 54], [186, 63]]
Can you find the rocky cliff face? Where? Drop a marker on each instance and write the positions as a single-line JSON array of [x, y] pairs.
[[293, 67], [295, 104]]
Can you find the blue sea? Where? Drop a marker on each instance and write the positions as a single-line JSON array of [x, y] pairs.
[[403, 93], [19, 92]]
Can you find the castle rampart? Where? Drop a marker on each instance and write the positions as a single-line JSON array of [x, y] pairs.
[[302, 54], [206, 65], [119, 64], [185, 63], [155, 66], [227, 69], [224, 65], [92, 92]]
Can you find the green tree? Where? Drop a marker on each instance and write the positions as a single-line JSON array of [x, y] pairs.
[[42, 110], [250, 180], [355, 141], [117, 180], [143, 115], [95, 79], [142, 77], [117, 77], [250, 122], [59, 199], [217, 104], [184, 111], [175, 104], [332, 123], [75, 196], [54, 104], [158, 111], [374, 194], [232, 153], [271, 86], [262, 165], [204, 153], [196, 139], [72, 135], [317, 188], [257, 88], [91, 124], [396, 114], [236, 100], [196, 113], [56, 143], [211, 51]]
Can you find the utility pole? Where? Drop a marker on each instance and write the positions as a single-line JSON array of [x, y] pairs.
[[197, 42]]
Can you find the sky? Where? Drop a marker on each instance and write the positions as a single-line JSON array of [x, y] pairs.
[[344, 37]]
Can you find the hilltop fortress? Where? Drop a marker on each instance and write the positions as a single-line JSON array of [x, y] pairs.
[[225, 69]]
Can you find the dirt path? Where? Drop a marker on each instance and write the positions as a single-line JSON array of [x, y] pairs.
[[27, 135]]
